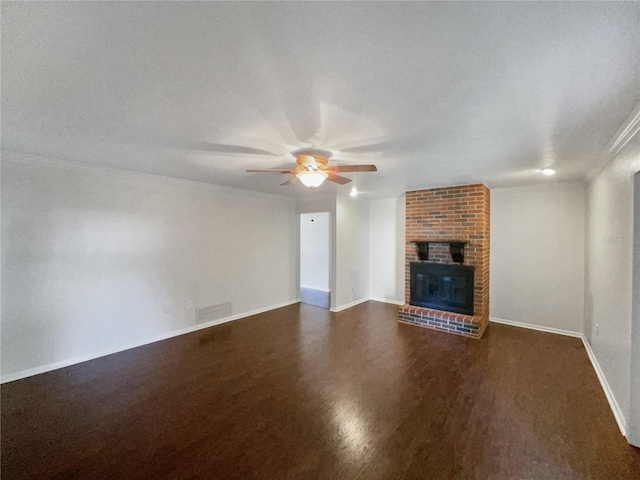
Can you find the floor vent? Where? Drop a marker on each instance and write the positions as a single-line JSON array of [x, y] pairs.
[[213, 312]]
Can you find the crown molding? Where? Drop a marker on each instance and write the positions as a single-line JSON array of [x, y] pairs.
[[628, 130], [623, 136]]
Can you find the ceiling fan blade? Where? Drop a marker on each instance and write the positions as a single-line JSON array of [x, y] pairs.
[[290, 181], [273, 170], [352, 168], [337, 178]]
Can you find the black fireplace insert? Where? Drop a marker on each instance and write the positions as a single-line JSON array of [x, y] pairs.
[[442, 287]]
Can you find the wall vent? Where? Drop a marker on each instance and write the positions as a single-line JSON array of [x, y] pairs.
[[213, 312]]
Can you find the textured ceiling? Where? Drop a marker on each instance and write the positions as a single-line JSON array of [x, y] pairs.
[[433, 93]]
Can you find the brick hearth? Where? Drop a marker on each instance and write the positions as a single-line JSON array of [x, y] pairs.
[[443, 214]]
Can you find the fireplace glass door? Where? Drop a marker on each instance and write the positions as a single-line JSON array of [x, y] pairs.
[[442, 287]]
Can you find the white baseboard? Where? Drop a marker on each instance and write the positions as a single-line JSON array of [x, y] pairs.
[[540, 328], [613, 403], [366, 299], [85, 358], [386, 300], [349, 305]]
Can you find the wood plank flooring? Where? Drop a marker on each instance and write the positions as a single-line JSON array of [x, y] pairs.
[[302, 393]]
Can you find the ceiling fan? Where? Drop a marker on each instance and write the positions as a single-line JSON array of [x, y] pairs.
[[312, 168]]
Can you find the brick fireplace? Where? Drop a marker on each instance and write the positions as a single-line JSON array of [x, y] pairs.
[[443, 225]]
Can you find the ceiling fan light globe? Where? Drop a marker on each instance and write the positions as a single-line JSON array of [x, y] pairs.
[[312, 178]]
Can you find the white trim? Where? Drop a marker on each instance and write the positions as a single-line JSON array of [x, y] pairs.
[[613, 403], [309, 287], [540, 328], [386, 300], [349, 305], [625, 133], [73, 361]]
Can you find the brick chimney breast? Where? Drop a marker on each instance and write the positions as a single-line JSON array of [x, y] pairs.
[[440, 217]]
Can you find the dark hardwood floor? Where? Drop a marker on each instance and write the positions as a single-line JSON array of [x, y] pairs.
[[300, 393]]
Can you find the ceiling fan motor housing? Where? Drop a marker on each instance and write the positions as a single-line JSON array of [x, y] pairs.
[[312, 168]]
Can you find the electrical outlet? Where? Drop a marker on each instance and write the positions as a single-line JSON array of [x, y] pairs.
[[167, 309], [189, 304]]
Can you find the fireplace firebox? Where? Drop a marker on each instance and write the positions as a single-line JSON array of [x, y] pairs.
[[447, 287]]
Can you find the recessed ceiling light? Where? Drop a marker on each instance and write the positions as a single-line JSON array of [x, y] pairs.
[[548, 171]]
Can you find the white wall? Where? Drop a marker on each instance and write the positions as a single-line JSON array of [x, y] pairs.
[[315, 202], [91, 258], [537, 255], [386, 252], [609, 262], [352, 251], [634, 414], [314, 250]]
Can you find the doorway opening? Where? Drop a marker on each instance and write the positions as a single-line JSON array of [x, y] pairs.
[[315, 259]]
